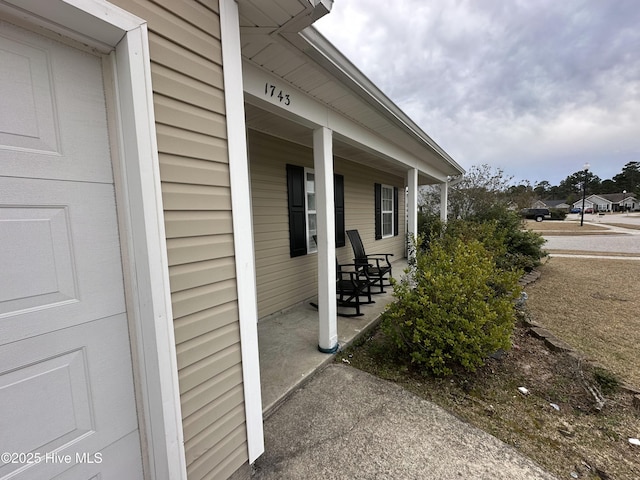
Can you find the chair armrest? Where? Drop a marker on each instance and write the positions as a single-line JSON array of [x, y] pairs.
[[358, 271], [385, 255]]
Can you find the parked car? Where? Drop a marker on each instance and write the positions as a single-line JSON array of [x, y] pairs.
[[575, 210], [537, 214], [588, 210]]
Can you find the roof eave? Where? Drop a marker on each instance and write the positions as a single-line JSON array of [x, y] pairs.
[[330, 58]]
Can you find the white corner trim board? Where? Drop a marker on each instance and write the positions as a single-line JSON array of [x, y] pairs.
[[242, 224]]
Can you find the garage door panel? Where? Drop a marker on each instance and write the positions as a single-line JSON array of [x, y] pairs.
[[52, 394], [56, 384], [27, 76], [127, 466], [62, 257], [62, 123], [39, 235], [65, 361]]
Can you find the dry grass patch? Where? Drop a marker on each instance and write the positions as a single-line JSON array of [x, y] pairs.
[[625, 225], [591, 252], [557, 227], [593, 305], [579, 233]]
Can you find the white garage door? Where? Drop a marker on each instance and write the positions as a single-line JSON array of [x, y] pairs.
[[67, 402]]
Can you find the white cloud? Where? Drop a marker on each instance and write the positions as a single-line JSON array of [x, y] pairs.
[[536, 88]]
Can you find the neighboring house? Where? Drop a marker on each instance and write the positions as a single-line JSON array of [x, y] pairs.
[[557, 204], [609, 202], [164, 166]]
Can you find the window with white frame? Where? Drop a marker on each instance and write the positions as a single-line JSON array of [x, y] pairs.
[[387, 211], [310, 209]]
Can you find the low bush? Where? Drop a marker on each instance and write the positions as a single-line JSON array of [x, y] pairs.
[[557, 214], [500, 230], [454, 308]]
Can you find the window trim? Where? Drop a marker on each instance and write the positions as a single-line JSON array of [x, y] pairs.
[[378, 211], [311, 248], [383, 189]]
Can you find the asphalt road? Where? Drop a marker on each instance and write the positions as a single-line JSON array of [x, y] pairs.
[[620, 239]]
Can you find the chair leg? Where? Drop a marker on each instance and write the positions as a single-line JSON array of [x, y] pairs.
[[351, 302]]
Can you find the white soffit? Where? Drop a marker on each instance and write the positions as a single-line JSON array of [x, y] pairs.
[[310, 63]]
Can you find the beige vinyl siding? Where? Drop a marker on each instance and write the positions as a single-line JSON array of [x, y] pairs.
[[359, 207], [184, 42], [283, 281]]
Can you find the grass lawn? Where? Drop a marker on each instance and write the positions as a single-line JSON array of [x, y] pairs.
[[565, 228], [594, 305]]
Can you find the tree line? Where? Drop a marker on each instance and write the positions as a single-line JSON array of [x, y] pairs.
[[571, 187], [483, 187]]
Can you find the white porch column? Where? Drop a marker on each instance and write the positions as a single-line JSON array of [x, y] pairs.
[[412, 202], [325, 218], [444, 194]]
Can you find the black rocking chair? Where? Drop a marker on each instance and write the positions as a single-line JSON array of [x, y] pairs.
[[377, 266], [351, 284]]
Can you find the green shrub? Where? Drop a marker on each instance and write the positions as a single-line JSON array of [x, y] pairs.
[[500, 231], [524, 249], [557, 214], [429, 226], [454, 307]]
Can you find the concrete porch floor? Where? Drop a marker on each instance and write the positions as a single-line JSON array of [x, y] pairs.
[[288, 344]]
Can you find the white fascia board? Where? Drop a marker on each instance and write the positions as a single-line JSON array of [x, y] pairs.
[[242, 225], [301, 108]]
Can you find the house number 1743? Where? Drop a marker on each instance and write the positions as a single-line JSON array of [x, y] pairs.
[[272, 91]]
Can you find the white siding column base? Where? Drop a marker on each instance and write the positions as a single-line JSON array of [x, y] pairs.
[[444, 198], [327, 309], [412, 204]]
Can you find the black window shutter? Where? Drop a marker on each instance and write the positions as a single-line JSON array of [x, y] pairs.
[[395, 211], [378, 210], [338, 200], [297, 220]]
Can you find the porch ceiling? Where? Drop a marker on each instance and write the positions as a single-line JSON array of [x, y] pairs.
[[273, 39], [280, 127]]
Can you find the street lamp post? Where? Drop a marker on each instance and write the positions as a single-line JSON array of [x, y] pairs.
[[624, 203], [584, 192]]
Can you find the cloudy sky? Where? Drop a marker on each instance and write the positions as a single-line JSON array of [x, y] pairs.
[[534, 87]]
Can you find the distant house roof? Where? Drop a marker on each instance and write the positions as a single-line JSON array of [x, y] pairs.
[[554, 203], [607, 199], [616, 197]]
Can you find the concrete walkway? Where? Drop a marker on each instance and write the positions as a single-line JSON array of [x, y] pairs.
[[347, 424]]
